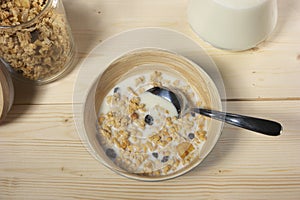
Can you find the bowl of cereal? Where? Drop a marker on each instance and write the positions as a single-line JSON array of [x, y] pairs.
[[138, 134]]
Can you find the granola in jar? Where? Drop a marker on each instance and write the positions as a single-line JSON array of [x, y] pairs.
[[35, 39], [141, 132]]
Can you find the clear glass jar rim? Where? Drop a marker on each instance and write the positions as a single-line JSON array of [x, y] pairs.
[[28, 23]]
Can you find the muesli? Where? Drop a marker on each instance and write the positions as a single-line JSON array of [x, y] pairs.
[[35, 39], [142, 134]]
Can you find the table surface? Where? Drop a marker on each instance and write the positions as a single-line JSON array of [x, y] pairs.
[[42, 156]]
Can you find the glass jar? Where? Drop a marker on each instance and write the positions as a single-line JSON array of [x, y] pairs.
[[36, 42]]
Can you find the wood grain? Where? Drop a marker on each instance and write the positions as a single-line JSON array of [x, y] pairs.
[[48, 161], [42, 156]]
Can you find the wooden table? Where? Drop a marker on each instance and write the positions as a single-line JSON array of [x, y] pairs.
[[42, 156]]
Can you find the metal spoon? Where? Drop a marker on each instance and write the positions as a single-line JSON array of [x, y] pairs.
[[180, 102]]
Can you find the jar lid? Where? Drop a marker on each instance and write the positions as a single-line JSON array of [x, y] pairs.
[[6, 92]]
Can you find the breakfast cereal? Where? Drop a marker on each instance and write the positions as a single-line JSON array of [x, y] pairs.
[[35, 39], [142, 133]]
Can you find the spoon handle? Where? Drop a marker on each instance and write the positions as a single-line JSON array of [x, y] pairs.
[[263, 126]]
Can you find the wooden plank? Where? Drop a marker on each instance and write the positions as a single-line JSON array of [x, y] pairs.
[[42, 157]]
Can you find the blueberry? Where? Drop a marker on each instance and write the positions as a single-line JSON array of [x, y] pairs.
[[34, 35], [155, 155], [149, 120], [116, 89], [191, 136], [165, 159], [20, 71], [111, 153]]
